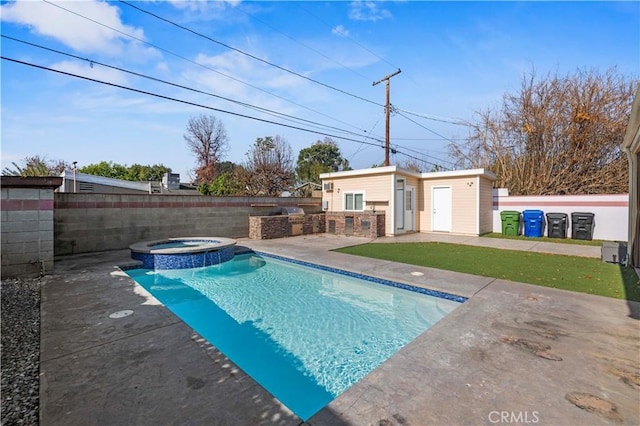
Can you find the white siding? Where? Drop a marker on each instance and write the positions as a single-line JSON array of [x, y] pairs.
[[464, 218]]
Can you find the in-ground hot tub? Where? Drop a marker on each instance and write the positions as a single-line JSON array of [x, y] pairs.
[[184, 252]]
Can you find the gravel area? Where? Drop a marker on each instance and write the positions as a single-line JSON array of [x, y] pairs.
[[20, 346]]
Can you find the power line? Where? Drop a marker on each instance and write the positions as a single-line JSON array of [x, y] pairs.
[[92, 62], [265, 110], [426, 128], [352, 40], [346, 36], [458, 122], [361, 146], [451, 121], [144, 92], [299, 42], [200, 65], [422, 160], [430, 139], [249, 54], [426, 155]]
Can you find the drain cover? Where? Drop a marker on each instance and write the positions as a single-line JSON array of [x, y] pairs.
[[121, 314], [417, 274]]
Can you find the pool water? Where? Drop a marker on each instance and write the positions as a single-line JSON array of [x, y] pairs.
[[304, 334]]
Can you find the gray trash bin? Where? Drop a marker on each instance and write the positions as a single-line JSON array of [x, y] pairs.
[[582, 226], [557, 224]]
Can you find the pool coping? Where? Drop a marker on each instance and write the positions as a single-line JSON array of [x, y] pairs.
[[215, 243], [369, 278]]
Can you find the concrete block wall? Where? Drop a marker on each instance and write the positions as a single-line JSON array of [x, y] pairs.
[[86, 223], [27, 225]]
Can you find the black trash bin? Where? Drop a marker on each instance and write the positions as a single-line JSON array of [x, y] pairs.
[[557, 225], [582, 226]]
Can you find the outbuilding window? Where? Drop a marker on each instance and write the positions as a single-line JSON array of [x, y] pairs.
[[354, 201]]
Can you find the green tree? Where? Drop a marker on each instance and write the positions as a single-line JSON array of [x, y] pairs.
[[36, 166], [204, 188], [226, 184], [106, 169], [226, 167], [321, 157], [135, 172]]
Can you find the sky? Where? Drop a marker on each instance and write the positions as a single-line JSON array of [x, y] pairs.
[[300, 70]]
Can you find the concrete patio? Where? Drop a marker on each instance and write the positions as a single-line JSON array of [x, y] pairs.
[[512, 354]]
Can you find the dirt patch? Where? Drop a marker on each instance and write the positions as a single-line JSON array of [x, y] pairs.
[[545, 329], [399, 418], [539, 349], [630, 378], [195, 383], [594, 404]]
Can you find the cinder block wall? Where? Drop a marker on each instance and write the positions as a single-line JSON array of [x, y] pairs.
[[27, 225], [86, 223]]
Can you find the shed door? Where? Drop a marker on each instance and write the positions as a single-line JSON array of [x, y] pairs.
[[409, 208], [441, 215], [399, 203]]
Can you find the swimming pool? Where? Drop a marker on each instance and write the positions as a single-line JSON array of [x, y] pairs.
[[305, 334]]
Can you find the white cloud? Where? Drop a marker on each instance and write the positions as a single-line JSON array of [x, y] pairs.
[[367, 11], [163, 67], [91, 70], [197, 5], [340, 30], [247, 70], [76, 32]]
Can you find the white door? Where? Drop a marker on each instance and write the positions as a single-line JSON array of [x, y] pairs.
[[399, 202], [441, 202], [409, 208]]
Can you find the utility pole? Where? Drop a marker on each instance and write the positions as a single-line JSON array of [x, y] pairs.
[[388, 113]]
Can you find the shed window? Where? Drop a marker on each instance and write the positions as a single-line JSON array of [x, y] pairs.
[[354, 201]]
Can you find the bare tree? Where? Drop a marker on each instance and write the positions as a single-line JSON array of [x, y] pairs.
[[411, 164], [206, 137], [269, 167], [558, 135]]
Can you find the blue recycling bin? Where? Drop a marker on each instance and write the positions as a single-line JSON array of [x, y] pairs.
[[533, 223]]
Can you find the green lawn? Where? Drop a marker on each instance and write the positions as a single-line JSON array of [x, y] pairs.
[[585, 275]]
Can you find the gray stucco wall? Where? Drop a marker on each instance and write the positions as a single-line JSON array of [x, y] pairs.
[[86, 223]]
